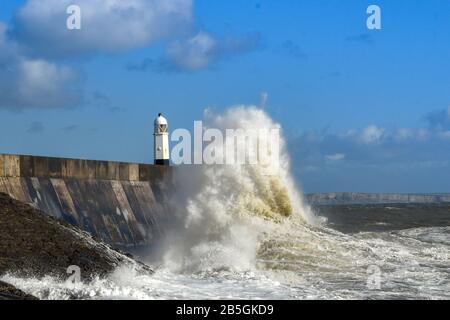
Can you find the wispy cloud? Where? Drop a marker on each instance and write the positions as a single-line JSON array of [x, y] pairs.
[[371, 134], [116, 109], [335, 157], [142, 66], [197, 52], [439, 120], [293, 50], [36, 127], [364, 38], [203, 50], [193, 53], [70, 128], [445, 135], [100, 99]]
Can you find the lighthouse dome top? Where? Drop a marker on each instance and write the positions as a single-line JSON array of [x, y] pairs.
[[160, 119], [160, 124]]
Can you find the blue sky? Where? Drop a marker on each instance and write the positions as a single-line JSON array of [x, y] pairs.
[[362, 110]]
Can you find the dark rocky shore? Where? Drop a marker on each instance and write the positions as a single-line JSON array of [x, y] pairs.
[[32, 244], [9, 292]]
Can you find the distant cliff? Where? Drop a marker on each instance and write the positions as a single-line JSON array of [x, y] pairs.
[[374, 198]]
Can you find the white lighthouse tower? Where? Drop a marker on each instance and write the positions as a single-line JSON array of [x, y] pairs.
[[161, 144]]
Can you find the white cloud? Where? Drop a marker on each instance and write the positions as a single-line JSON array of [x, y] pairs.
[[37, 83], [310, 169], [335, 157], [41, 80], [444, 135], [377, 135], [404, 134], [29, 80], [193, 53], [106, 25], [372, 134], [407, 134], [31, 83], [423, 134], [351, 133]]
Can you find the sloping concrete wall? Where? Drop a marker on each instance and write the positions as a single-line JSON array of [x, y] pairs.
[[120, 203]]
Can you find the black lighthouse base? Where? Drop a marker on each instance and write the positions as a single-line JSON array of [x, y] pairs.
[[162, 162]]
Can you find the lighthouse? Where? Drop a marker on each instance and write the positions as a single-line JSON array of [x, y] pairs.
[[161, 144]]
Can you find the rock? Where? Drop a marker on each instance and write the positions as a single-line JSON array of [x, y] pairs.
[[9, 292], [32, 244]]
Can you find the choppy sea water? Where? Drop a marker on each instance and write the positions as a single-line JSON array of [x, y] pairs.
[[312, 263]]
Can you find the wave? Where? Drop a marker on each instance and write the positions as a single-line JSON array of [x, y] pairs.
[[223, 212]]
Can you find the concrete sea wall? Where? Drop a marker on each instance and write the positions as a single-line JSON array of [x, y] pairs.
[[120, 203]]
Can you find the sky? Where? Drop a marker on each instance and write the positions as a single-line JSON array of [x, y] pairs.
[[362, 110]]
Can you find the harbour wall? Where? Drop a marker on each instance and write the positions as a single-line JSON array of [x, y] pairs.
[[122, 204]]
